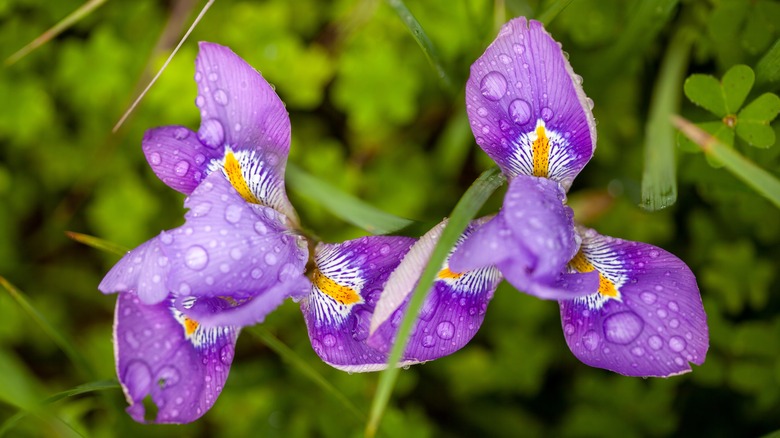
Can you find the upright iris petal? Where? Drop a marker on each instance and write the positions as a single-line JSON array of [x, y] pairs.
[[244, 133], [527, 107], [625, 306]]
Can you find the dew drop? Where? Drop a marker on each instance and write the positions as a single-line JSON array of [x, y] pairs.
[[677, 344], [520, 111], [200, 101], [181, 168], [211, 133], [519, 49], [568, 329], [638, 351], [137, 379], [648, 297], [256, 273], [288, 272], [591, 340], [622, 328], [493, 86], [270, 259], [547, 114], [655, 342], [661, 313], [329, 340], [673, 306], [445, 330], [428, 341], [221, 97], [130, 338], [482, 112], [506, 59], [213, 77], [181, 133], [260, 227], [233, 213], [200, 159], [235, 254], [168, 376], [155, 159], [196, 258]]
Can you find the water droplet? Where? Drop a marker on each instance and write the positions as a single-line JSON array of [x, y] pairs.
[[673, 306], [200, 159], [196, 257], [679, 361], [329, 340], [130, 338], [648, 297], [506, 59], [653, 254], [677, 344], [520, 111], [181, 168], [260, 227], [661, 313], [493, 86], [590, 103], [213, 77], [221, 97], [168, 376], [622, 328], [233, 213], [166, 238], [256, 273], [482, 112], [235, 254], [674, 323], [211, 133], [200, 101], [237, 127], [591, 340], [638, 351], [198, 76], [288, 272], [137, 378], [154, 158], [270, 259], [655, 342], [181, 133], [568, 329], [445, 330], [547, 114], [428, 341], [519, 49]]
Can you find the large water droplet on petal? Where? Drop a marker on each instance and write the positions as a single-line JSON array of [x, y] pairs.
[[547, 114], [493, 86], [677, 344], [622, 328], [520, 111], [196, 257], [168, 376], [445, 330], [137, 379], [181, 133], [591, 340], [201, 209], [270, 259], [260, 228], [233, 213], [211, 133], [154, 158], [428, 341], [648, 297], [181, 168], [221, 97], [655, 342]]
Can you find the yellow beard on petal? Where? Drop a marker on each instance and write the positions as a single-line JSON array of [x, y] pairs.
[[606, 287], [342, 294], [541, 152], [236, 178]]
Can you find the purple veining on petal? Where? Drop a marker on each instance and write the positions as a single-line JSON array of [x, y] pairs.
[[524, 78], [531, 241], [655, 328], [183, 373]]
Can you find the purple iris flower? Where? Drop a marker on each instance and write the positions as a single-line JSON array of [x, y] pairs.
[[360, 291], [185, 294], [628, 307]]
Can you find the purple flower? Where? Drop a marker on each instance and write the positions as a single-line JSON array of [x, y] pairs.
[[625, 306], [360, 292], [185, 294]]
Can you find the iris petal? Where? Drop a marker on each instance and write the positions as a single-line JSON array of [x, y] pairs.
[[654, 324], [182, 367], [177, 157], [527, 108], [347, 283]]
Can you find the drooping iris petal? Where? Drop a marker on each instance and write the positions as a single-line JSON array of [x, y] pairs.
[[647, 318], [527, 108], [244, 133], [452, 312], [531, 241], [160, 353], [347, 282], [177, 157], [230, 247], [144, 270]]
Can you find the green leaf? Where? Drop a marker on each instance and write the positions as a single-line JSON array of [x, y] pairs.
[[768, 68], [464, 211], [736, 84], [753, 121], [706, 92], [97, 243], [754, 176], [659, 176], [717, 129], [342, 205]]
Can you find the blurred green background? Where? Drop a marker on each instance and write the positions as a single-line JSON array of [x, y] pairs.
[[371, 116]]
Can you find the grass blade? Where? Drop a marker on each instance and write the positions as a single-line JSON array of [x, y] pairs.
[[57, 29], [552, 11], [754, 176], [65, 344], [659, 178], [97, 243], [422, 40], [464, 211], [289, 356], [342, 205]]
